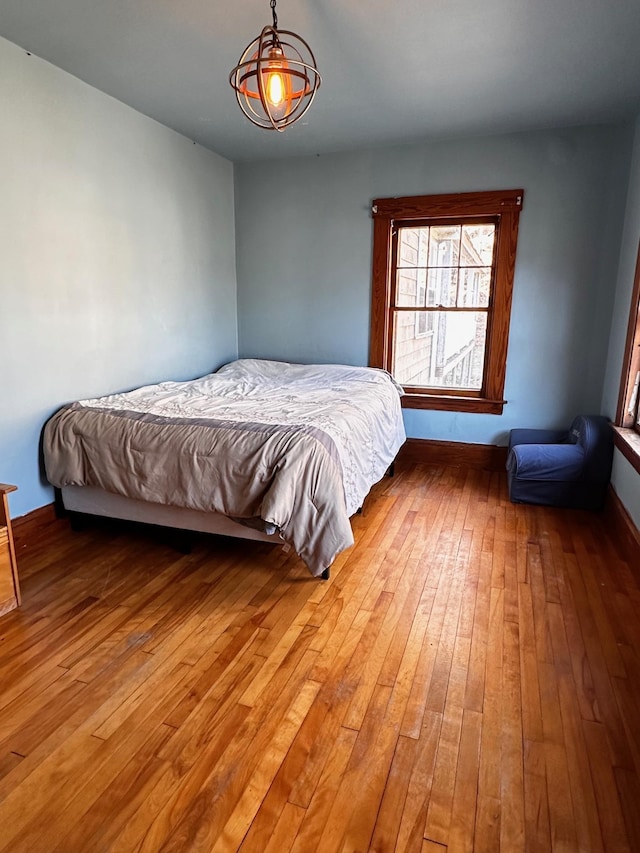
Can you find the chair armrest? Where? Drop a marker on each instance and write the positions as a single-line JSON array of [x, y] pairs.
[[546, 461]]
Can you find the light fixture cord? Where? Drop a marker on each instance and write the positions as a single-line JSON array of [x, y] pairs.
[[273, 12]]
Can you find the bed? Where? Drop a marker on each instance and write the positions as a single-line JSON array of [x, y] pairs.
[[259, 449]]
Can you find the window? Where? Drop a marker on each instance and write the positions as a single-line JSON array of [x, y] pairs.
[[628, 412], [441, 298]]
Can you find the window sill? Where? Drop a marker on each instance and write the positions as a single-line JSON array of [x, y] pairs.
[[453, 404], [628, 443]]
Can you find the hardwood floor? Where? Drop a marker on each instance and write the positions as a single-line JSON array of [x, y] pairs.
[[469, 679]]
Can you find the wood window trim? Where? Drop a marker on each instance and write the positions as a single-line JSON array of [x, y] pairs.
[[628, 443], [505, 204], [626, 432]]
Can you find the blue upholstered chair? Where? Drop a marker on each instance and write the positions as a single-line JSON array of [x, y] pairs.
[[568, 468]]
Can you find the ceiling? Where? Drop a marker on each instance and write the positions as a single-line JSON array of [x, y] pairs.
[[392, 70]]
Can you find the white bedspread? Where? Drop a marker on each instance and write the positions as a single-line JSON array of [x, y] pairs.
[[357, 407]]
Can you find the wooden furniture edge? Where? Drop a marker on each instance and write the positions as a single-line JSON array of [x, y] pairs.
[[6, 522], [491, 457], [625, 534]]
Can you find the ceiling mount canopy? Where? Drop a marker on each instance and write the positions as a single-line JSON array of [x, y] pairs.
[[276, 79]]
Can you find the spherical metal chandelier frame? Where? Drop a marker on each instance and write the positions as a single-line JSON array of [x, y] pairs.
[[279, 53]]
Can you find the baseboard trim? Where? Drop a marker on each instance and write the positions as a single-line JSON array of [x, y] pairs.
[[624, 532], [23, 524], [453, 453]]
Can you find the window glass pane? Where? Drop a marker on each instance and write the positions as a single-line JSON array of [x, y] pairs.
[[634, 401], [421, 299], [442, 286], [443, 350], [407, 247], [477, 245], [406, 287], [444, 245], [411, 288], [412, 347], [413, 247], [431, 288], [474, 287], [423, 246]]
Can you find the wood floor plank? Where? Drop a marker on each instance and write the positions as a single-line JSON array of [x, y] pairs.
[[112, 805], [285, 833], [539, 601], [75, 723], [487, 825], [512, 810], [462, 831], [449, 586], [414, 812], [245, 810], [609, 805], [605, 707], [324, 795], [438, 820], [489, 784], [288, 775], [136, 823], [385, 831], [628, 787], [8, 761], [398, 617], [597, 594], [583, 796], [197, 783], [352, 817], [628, 701], [474, 690], [467, 680], [536, 808]]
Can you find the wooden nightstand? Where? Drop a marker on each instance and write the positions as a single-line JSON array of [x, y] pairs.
[[9, 583]]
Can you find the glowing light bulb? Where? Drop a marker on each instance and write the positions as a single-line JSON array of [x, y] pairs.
[[277, 85], [275, 89]]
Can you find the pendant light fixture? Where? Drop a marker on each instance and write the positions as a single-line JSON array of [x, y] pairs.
[[276, 79]]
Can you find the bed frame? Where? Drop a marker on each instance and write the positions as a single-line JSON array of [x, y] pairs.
[[90, 500]]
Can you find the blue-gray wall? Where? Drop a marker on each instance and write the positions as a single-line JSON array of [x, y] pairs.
[[303, 232], [625, 479], [117, 259]]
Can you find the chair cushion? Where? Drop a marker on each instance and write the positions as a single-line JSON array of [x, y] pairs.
[[559, 462]]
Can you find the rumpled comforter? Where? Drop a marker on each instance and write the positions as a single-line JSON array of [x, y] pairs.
[[296, 446]]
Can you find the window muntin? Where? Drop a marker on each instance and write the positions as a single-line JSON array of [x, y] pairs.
[[441, 298]]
